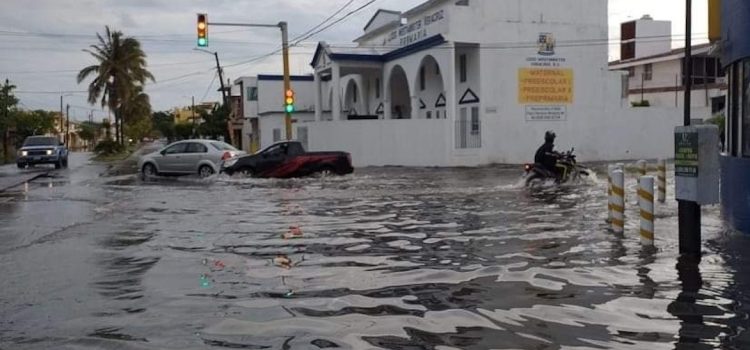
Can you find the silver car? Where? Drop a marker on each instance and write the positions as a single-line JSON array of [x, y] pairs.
[[202, 157]]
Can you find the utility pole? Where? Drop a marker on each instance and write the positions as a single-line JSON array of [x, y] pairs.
[[67, 126], [287, 79], [221, 79], [6, 132], [193, 109], [60, 131], [689, 212], [285, 53]]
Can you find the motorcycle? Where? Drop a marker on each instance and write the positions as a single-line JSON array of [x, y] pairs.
[[566, 162]]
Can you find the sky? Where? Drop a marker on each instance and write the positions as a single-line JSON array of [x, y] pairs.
[[42, 41]]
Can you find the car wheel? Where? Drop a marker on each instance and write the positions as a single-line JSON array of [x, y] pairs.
[[326, 171], [205, 171], [246, 172], [149, 170], [21, 165], [58, 164], [65, 163]]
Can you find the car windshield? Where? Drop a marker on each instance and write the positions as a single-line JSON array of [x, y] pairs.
[[222, 146], [41, 141]]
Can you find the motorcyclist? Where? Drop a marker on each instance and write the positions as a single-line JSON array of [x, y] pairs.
[[546, 155]]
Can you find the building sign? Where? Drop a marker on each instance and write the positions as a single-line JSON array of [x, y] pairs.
[[545, 86], [418, 30], [546, 113], [686, 154]]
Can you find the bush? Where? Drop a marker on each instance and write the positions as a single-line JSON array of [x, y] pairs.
[[108, 148]]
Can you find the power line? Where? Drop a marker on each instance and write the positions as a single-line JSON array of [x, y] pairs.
[[350, 13], [324, 21], [210, 85]]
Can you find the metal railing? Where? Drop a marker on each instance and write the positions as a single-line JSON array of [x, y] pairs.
[[468, 134]]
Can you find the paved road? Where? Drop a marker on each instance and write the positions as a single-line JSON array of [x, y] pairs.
[[11, 176], [392, 258]]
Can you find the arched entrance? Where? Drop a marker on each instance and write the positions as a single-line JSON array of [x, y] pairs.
[[430, 89], [399, 94], [352, 98]]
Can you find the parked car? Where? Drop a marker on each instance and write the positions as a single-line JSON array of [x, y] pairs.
[[42, 150], [202, 157], [289, 159]]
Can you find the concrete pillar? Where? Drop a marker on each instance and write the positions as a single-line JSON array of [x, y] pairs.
[[318, 101], [386, 95], [336, 83], [415, 107]]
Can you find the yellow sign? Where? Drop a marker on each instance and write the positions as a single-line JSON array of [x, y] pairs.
[[545, 86], [714, 20]]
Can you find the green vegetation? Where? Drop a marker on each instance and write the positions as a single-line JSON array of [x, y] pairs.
[[17, 124], [118, 79]]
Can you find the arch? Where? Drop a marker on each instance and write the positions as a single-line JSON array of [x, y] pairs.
[[429, 85], [399, 94], [352, 97]]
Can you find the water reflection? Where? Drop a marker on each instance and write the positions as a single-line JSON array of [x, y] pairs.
[[407, 259]]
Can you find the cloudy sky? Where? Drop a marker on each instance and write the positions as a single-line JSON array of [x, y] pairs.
[[41, 41]]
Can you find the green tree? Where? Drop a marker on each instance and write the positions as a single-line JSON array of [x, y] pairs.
[[136, 113], [183, 131], [164, 124], [89, 132], [30, 123], [8, 103], [120, 68], [215, 123]]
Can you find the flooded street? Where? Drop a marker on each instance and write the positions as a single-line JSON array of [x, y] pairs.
[[389, 258]]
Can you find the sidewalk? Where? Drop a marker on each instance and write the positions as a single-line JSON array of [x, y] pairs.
[[11, 176]]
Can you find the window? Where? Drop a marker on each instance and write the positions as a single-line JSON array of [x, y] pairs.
[[194, 147], [429, 115], [175, 149], [421, 78], [475, 120], [648, 71], [462, 67], [745, 108], [276, 135], [252, 93], [354, 91], [222, 146], [377, 87], [437, 114], [631, 72]]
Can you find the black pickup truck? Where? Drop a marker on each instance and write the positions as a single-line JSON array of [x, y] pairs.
[[289, 159]]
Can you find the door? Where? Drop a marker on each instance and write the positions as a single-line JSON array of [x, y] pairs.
[[194, 153], [272, 158], [170, 160]]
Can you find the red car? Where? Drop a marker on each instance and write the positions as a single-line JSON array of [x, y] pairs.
[[289, 159]]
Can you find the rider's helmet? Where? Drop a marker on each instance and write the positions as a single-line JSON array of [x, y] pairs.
[[549, 136]]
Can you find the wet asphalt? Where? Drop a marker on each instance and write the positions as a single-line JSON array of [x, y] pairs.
[[389, 258]]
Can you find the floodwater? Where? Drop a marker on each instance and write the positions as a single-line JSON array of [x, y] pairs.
[[386, 258]]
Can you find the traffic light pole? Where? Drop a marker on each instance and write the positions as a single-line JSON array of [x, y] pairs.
[[285, 53]]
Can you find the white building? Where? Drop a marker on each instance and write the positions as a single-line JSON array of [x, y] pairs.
[[655, 70], [262, 106], [466, 83]]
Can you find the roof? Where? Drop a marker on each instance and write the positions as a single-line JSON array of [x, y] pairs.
[[395, 24], [273, 77], [370, 54], [377, 13], [680, 52]]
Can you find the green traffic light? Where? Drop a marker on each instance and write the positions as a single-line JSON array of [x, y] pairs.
[[202, 42], [289, 108]]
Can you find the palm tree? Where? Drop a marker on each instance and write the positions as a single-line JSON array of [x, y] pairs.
[[121, 67]]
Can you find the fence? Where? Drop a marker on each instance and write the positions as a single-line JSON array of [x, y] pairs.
[[468, 134]]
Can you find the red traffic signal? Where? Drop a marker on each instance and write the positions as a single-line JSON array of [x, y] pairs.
[[202, 27]]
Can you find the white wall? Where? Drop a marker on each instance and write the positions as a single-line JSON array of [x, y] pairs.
[[271, 95], [412, 142], [269, 122], [647, 34]]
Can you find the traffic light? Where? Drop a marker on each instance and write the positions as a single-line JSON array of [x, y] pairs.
[[289, 101], [202, 30]]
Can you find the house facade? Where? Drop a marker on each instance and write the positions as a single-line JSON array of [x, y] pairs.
[[466, 83]]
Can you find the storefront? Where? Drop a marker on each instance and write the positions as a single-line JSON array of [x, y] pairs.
[[735, 192]]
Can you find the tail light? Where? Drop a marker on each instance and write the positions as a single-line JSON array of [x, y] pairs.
[[226, 155]]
